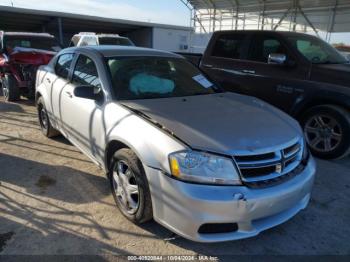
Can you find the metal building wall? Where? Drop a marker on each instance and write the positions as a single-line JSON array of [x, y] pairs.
[[290, 15]]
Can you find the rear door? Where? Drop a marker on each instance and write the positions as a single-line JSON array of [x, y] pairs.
[[55, 82], [225, 60]]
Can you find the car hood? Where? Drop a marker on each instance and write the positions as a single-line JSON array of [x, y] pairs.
[[31, 56], [224, 123]]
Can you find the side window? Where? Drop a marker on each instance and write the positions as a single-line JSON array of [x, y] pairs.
[[85, 72], [229, 46], [63, 65], [312, 51], [263, 47]]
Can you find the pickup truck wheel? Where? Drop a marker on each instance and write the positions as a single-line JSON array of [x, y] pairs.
[[130, 187], [44, 120], [10, 89], [327, 131]]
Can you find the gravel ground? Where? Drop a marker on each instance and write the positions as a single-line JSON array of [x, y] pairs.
[[53, 200]]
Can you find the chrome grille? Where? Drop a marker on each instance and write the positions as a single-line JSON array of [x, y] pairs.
[[269, 166]]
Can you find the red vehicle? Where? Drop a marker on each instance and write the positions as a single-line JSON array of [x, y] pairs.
[[20, 56]]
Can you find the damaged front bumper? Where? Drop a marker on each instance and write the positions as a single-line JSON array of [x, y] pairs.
[[184, 207]]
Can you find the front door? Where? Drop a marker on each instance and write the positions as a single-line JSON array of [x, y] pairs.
[[280, 85]]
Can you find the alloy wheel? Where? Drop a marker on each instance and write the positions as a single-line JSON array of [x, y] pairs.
[[323, 133], [125, 187], [43, 118], [5, 92]]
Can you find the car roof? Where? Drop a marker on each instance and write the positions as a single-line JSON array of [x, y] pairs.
[[28, 34], [99, 35], [284, 33], [112, 36], [113, 51]]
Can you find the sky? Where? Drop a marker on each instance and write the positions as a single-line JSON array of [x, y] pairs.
[[156, 11]]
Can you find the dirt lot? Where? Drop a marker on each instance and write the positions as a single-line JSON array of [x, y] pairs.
[[53, 200]]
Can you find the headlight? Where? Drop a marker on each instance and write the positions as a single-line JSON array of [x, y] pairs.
[[203, 168]]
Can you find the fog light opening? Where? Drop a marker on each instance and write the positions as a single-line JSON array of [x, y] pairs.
[[212, 228]]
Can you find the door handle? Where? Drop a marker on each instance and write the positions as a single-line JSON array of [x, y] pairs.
[[69, 94], [208, 66], [249, 71]]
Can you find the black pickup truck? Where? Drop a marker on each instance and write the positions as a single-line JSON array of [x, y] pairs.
[[298, 73]]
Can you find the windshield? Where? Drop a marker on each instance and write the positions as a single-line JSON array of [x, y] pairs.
[[115, 41], [43, 43], [316, 50], [157, 77]]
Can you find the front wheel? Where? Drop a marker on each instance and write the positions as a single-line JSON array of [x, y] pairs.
[[327, 131], [130, 186]]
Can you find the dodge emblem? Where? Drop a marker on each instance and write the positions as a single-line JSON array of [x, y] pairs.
[[279, 168]]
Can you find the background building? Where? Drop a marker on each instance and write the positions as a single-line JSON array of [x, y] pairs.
[[65, 25]]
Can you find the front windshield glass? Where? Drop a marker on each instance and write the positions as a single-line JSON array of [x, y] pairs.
[[114, 41], [316, 50], [42, 43], [157, 77]]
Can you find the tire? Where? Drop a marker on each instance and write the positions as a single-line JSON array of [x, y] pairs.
[[327, 131], [142, 211], [44, 120], [10, 88], [31, 93]]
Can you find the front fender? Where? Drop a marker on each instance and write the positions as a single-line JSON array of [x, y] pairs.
[[321, 94], [151, 144]]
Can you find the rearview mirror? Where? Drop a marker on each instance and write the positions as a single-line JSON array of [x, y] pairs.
[[277, 59], [88, 92]]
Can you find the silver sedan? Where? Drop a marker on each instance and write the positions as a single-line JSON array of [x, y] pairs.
[[209, 165]]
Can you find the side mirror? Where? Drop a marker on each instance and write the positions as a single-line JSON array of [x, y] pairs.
[[277, 59], [89, 92]]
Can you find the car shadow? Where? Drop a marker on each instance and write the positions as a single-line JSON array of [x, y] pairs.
[[343, 161], [10, 107], [61, 139], [26, 102], [47, 236], [53, 210], [55, 182]]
